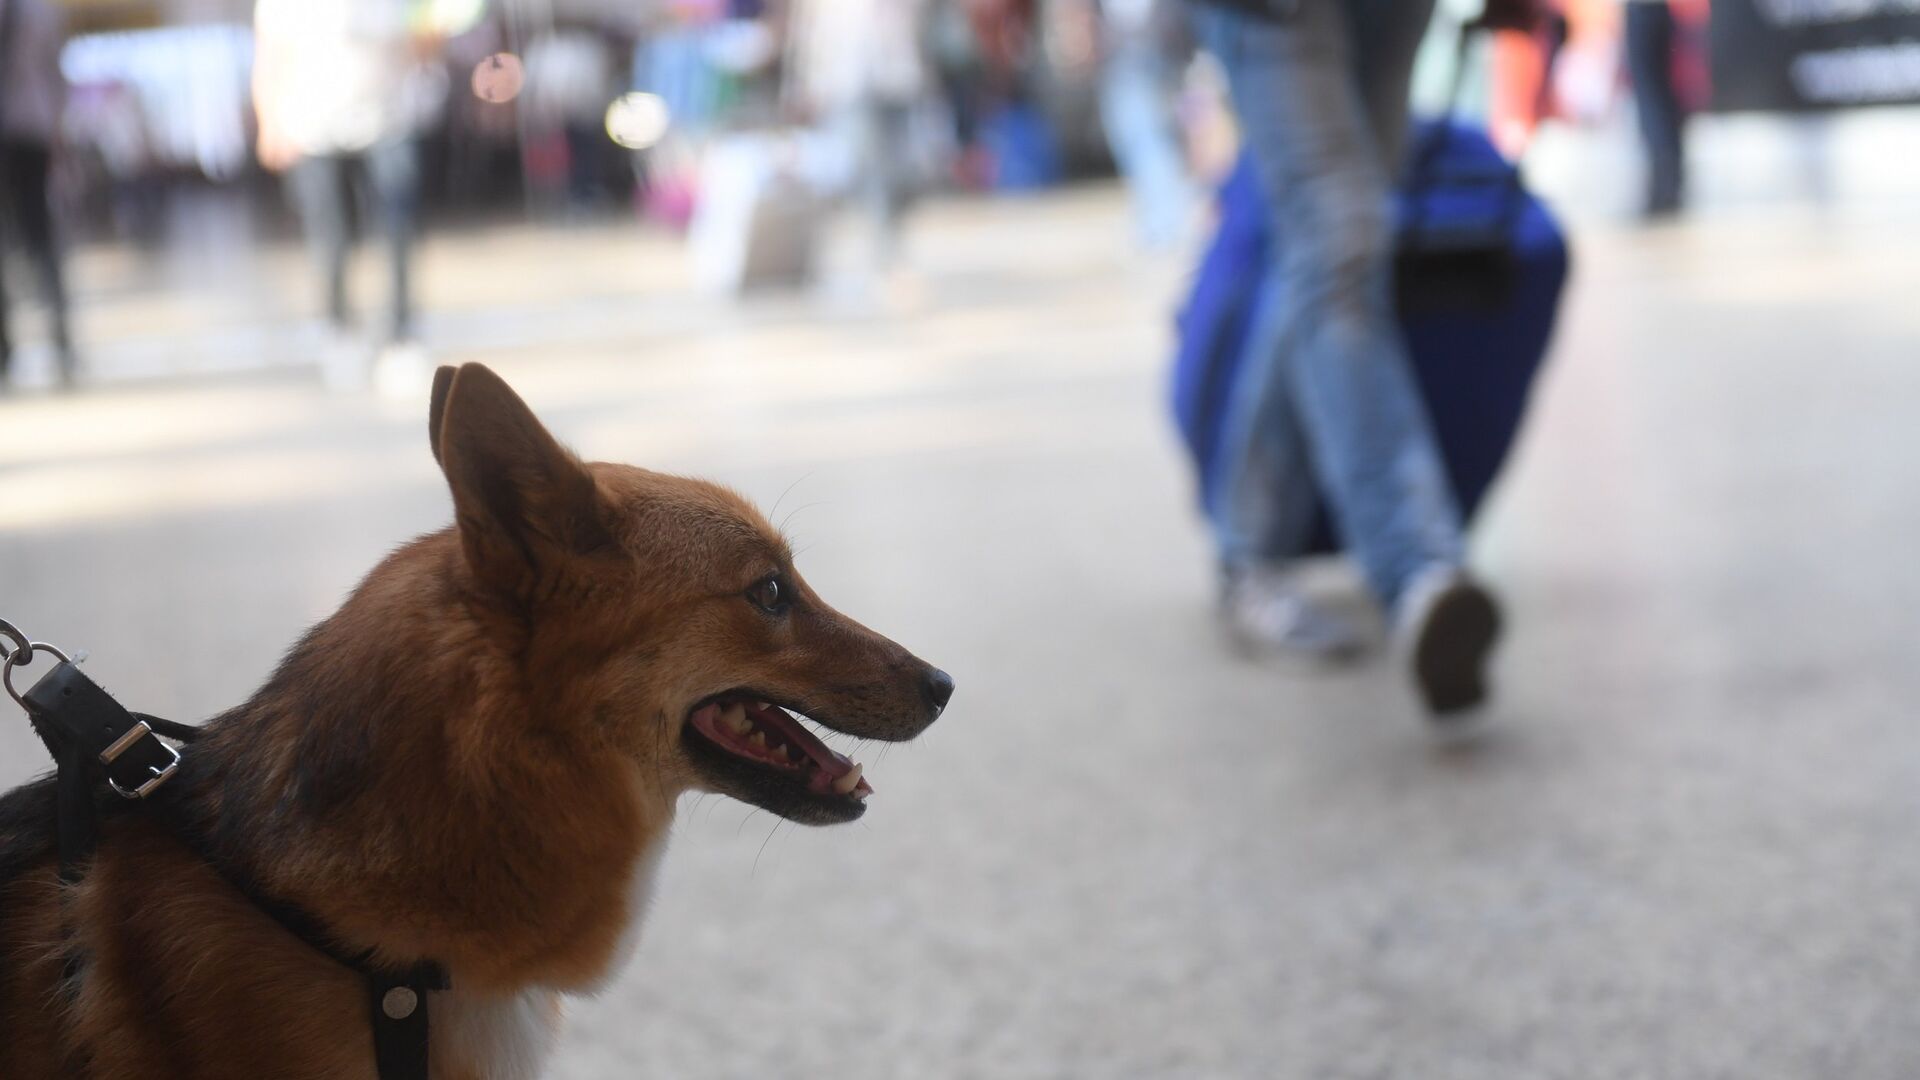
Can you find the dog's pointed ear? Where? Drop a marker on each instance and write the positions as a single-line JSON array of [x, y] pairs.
[[523, 502], [437, 408]]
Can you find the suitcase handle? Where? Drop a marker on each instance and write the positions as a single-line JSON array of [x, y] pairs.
[[1424, 170]]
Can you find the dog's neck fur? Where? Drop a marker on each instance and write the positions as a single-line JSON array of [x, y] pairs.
[[402, 778]]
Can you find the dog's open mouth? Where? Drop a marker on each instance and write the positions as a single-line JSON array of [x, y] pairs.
[[782, 765]]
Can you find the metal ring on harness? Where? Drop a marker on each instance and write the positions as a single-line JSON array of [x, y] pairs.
[[24, 655], [20, 643]]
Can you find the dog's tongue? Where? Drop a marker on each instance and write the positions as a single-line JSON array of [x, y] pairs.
[[832, 765]]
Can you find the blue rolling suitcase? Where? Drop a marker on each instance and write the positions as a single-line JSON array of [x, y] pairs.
[[1480, 270]]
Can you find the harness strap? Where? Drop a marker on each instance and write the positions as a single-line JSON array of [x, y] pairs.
[[92, 737], [396, 997], [397, 1007]]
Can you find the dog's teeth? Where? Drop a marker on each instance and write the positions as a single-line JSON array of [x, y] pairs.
[[759, 740], [734, 719], [847, 782]]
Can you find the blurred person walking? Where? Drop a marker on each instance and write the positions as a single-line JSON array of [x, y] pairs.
[[569, 83], [32, 94], [1650, 36], [859, 65], [1327, 396], [331, 93]]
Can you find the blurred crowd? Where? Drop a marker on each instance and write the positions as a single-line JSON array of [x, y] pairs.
[[738, 121], [538, 101], [565, 106]]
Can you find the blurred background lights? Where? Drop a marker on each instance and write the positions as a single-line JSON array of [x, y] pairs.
[[637, 120], [498, 78], [448, 18]]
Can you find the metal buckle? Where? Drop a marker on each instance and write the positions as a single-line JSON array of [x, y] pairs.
[[134, 734], [160, 776]]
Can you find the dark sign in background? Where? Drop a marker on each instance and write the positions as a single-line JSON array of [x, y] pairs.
[[1798, 55]]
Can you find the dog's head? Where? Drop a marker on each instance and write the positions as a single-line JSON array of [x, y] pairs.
[[667, 613]]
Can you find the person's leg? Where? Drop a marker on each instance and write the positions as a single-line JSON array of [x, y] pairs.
[[1445, 622], [1264, 507], [1387, 36], [33, 215], [1266, 497], [6, 239], [318, 187], [885, 129], [1676, 152], [1141, 130], [6, 331], [393, 168], [586, 162], [1336, 367], [1333, 356], [1650, 30]]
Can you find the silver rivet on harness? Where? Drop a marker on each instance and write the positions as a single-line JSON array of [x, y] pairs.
[[399, 1003]]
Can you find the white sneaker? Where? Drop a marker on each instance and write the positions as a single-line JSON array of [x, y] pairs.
[[403, 371], [1446, 626], [1266, 614]]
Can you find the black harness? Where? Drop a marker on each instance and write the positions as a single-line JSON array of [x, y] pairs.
[[96, 742]]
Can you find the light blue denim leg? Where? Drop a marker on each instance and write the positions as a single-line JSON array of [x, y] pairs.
[[1136, 110], [393, 169], [1264, 506], [1330, 372]]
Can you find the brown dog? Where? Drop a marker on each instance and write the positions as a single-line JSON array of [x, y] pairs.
[[474, 761]]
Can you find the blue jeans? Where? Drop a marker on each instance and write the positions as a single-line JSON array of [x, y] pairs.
[[1650, 32], [1327, 402], [1137, 111]]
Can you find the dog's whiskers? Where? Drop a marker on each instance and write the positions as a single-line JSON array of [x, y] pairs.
[[744, 820], [755, 869], [795, 512], [804, 477]]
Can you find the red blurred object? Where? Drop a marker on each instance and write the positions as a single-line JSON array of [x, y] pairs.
[[1524, 93], [1522, 90], [1692, 74]]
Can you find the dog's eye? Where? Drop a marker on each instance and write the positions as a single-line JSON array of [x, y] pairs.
[[770, 594]]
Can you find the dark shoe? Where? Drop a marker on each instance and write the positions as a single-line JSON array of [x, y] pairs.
[[1447, 626], [1661, 206]]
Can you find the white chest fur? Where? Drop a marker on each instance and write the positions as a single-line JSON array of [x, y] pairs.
[[511, 1038], [494, 1038], [639, 899]]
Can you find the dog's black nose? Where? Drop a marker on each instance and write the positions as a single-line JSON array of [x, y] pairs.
[[938, 688]]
